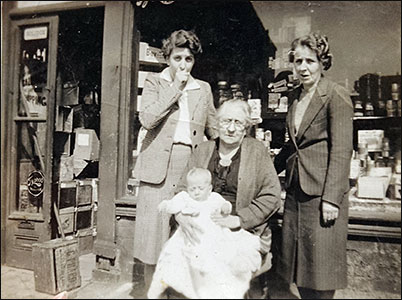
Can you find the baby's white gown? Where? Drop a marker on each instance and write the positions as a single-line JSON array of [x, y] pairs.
[[219, 267]]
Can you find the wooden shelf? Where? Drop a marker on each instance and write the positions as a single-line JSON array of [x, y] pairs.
[[30, 119], [274, 115], [20, 215], [153, 64], [366, 118]]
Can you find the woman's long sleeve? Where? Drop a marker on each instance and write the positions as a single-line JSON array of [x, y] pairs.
[[341, 147], [157, 102]]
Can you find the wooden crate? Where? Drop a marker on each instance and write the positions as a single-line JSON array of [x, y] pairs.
[[84, 192], [84, 217], [56, 266], [67, 194], [67, 219]]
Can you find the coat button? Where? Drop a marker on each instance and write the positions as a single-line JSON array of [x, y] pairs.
[[194, 132], [195, 147]]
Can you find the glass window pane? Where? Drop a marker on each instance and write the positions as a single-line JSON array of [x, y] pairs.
[[33, 71]]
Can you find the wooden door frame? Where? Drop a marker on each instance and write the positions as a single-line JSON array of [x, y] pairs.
[[12, 215]]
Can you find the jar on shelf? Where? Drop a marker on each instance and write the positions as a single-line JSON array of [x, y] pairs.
[[396, 98], [369, 109], [391, 109], [358, 109], [223, 91]]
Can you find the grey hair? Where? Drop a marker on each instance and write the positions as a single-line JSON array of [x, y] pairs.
[[245, 107]]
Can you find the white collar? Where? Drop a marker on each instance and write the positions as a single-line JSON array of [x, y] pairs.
[[192, 84], [226, 159]]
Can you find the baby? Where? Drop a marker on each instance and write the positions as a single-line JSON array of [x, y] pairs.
[[221, 264]]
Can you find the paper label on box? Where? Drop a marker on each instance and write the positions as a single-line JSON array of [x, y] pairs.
[[372, 137], [35, 33], [83, 139], [255, 105]]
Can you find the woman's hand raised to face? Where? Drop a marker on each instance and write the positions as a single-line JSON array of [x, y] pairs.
[[181, 78], [181, 62]]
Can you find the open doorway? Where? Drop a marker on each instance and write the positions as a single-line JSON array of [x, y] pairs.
[[77, 126]]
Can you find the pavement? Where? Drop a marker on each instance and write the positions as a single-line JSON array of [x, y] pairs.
[[19, 284]]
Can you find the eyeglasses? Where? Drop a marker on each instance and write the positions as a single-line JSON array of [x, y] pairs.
[[238, 124]]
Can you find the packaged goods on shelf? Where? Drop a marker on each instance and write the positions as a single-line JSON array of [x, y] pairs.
[[372, 187], [66, 168], [86, 144], [373, 138], [255, 105], [150, 54]]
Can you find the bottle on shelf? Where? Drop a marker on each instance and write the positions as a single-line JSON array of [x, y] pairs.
[[259, 134], [385, 151], [236, 91], [362, 156], [354, 168], [396, 98], [223, 91], [44, 55], [38, 54], [368, 107], [380, 110], [391, 110]]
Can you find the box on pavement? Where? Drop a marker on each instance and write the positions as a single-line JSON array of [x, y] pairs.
[[56, 266]]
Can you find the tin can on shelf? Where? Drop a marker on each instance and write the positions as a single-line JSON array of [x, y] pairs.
[[391, 111], [259, 134], [268, 135]]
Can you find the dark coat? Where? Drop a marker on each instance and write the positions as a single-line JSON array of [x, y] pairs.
[[317, 162]]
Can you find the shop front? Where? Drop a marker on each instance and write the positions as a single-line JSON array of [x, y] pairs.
[[72, 79], [67, 65]]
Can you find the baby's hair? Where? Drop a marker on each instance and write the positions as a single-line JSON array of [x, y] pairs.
[[200, 173]]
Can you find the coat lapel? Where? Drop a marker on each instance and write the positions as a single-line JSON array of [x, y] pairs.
[[318, 100], [290, 118], [193, 97], [290, 122]]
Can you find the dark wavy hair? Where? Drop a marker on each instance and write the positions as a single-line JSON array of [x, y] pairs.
[[316, 42], [182, 39]]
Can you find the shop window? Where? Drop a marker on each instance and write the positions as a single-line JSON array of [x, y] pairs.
[[33, 91]]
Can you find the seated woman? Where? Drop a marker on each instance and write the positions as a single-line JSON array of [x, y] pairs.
[[242, 172]]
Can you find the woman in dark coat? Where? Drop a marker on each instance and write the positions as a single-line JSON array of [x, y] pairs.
[[317, 161]]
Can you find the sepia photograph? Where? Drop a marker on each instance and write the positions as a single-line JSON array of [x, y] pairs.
[[188, 149]]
